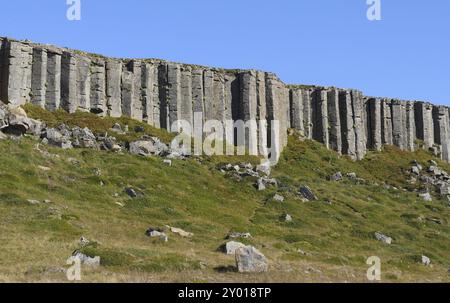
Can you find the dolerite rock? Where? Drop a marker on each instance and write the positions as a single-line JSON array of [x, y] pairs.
[[260, 184], [86, 260], [131, 192], [83, 138], [286, 218], [264, 168], [157, 233], [109, 143], [307, 193], [415, 170], [232, 246], [426, 197], [56, 138], [426, 261], [117, 129], [278, 198], [148, 147], [250, 260], [336, 177], [383, 238], [235, 235], [3, 118]]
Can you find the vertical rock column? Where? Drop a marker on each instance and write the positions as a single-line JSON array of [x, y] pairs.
[[174, 93], [441, 122], [208, 94], [186, 94], [320, 117], [218, 104], [334, 120], [17, 73], [307, 113], [374, 122], [156, 101], [131, 90], [399, 124], [198, 105], [2, 64], [347, 124], [98, 87], [147, 89], [358, 118], [84, 83], [39, 76], [53, 93], [113, 87], [261, 111], [277, 101], [249, 103], [410, 126], [69, 98], [296, 104], [424, 123], [386, 122]]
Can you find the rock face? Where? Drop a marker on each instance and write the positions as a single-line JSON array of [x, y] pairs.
[[250, 260], [161, 93]]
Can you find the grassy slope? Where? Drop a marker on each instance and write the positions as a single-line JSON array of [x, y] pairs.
[[337, 237]]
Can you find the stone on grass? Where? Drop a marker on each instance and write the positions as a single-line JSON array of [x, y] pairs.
[[180, 232], [157, 233], [426, 197], [232, 246], [307, 193], [336, 177], [235, 235], [278, 198], [383, 238], [131, 192], [426, 261], [86, 260], [250, 260]]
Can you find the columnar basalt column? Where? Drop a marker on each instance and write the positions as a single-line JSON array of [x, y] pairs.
[[39, 76], [441, 123], [113, 87], [147, 89], [386, 123], [208, 93], [334, 120], [186, 94], [399, 124], [197, 91], [218, 101], [156, 98], [3, 61], [320, 116], [358, 118], [347, 124], [296, 100], [53, 93], [17, 80], [84, 83], [69, 98], [307, 113], [424, 123], [375, 124], [410, 126]]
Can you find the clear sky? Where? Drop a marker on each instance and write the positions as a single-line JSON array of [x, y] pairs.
[[323, 42]]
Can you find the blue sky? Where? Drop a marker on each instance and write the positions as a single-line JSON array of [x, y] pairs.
[[323, 42]]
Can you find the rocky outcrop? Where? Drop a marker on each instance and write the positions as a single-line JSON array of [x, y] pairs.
[[161, 93]]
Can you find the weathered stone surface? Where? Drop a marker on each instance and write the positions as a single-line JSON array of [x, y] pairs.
[[307, 193], [334, 119], [386, 122], [383, 238], [39, 77], [131, 90], [232, 246], [441, 130], [186, 106], [250, 260], [174, 93], [87, 260], [147, 91], [84, 83], [424, 123], [359, 122], [53, 93], [320, 116], [347, 124], [113, 87], [69, 96], [296, 100], [17, 76], [399, 124], [375, 124]]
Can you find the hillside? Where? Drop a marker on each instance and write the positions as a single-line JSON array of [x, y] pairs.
[[328, 240]]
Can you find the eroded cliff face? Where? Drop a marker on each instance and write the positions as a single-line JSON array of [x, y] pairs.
[[160, 92]]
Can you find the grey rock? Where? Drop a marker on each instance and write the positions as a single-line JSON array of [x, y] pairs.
[[426, 197], [286, 218], [336, 177], [250, 260], [307, 193], [83, 138], [86, 260], [415, 170], [260, 185], [426, 261], [167, 162], [352, 176], [131, 192], [157, 233], [117, 128], [235, 235], [383, 238], [278, 198], [56, 138], [232, 246]]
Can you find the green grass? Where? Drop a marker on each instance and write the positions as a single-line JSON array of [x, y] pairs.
[[337, 238]]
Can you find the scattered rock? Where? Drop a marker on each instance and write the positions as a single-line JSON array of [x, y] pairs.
[[336, 177], [84, 242], [34, 202], [157, 233], [139, 129], [415, 170], [167, 162], [117, 129], [120, 204], [278, 198], [426, 261], [307, 193], [260, 184], [235, 235], [286, 218], [264, 168], [83, 138], [383, 238], [426, 197], [250, 260], [180, 232], [86, 260], [351, 176], [131, 192], [232, 246]]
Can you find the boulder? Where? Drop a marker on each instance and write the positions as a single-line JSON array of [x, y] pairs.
[[167, 162], [131, 192], [307, 193], [232, 246], [383, 238], [117, 128], [148, 147], [83, 138], [426, 261], [180, 232], [56, 138], [336, 177], [250, 260], [426, 197], [278, 198], [157, 233], [264, 168], [286, 218], [415, 170], [260, 185], [86, 260]]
